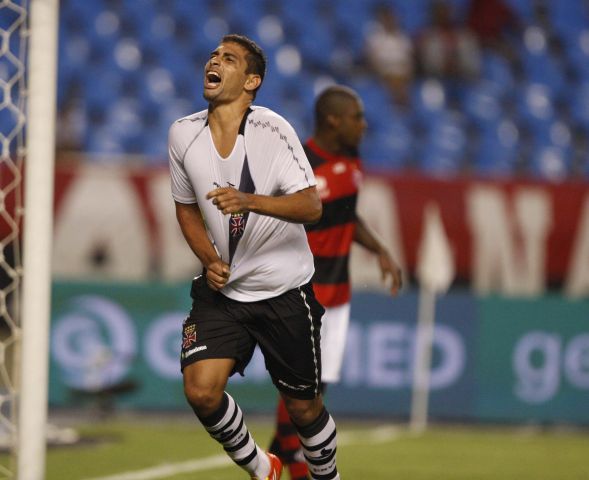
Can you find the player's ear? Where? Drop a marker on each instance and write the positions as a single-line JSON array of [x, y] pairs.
[[333, 120], [252, 82]]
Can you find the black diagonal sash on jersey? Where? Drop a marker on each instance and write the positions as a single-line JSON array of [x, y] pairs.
[[238, 221]]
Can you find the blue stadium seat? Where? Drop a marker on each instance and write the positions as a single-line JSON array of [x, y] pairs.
[[102, 87], [555, 133], [317, 42], [542, 68], [413, 15], [578, 101], [523, 8], [9, 122], [445, 145], [552, 152], [390, 148], [104, 141], [351, 27], [576, 49], [377, 101], [428, 101], [176, 37], [498, 149], [496, 69], [535, 106], [550, 163], [482, 103], [566, 16]]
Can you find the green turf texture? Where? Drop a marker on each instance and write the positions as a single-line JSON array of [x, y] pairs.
[[442, 453]]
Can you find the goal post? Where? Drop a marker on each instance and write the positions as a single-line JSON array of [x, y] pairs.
[[41, 72]]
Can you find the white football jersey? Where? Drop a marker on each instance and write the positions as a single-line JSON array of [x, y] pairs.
[[267, 256]]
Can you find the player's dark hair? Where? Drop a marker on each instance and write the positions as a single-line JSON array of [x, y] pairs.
[[329, 102], [256, 58]]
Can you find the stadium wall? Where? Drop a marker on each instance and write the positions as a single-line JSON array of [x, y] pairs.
[[116, 345], [511, 237]]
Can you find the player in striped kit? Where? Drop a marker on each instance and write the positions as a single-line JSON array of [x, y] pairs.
[[243, 188], [333, 154]]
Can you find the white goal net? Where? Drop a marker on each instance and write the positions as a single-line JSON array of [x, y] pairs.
[[13, 48], [28, 77]]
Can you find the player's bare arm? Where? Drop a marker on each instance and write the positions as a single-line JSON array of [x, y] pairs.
[[303, 206], [388, 267], [193, 228]]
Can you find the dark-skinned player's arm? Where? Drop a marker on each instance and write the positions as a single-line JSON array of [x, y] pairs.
[[388, 266], [303, 206], [194, 230]]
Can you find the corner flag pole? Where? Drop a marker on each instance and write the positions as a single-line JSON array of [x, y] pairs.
[[422, 360], [435, 271], [37, 235]]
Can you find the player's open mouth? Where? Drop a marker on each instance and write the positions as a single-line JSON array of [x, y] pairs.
[[212, 79]]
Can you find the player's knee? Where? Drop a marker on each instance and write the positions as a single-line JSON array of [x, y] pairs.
[[204, 401], [303, 412]]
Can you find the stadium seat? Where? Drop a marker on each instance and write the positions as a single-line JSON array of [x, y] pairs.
[[552, 151], [428, 101], [535, 106], [523, 8], [482, 103], [507, 108], [498, 149], [413, 15], [578, 102], [576, 43], [390, 148], [566, 16], [543, 69], [316, 41], [550, 163], [377, 101], [497, 70], [445, 146]]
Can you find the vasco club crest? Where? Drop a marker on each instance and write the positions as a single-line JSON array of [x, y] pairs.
[[188, 336], [236, 225]]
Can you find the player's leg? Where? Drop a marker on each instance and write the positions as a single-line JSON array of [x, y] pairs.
[[317, 433], [214, 346], [286, 444], [289, 337], [334, 331], [204, 387]]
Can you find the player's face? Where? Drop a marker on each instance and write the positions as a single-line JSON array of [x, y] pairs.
[[352, 123], [224, 76]]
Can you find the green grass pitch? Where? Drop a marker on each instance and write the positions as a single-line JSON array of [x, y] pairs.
[[179, 449]]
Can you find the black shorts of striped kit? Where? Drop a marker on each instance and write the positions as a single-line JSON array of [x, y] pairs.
[[286, 328]]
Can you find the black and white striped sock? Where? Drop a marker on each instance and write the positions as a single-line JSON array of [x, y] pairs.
[[227, 426], [319, 446]]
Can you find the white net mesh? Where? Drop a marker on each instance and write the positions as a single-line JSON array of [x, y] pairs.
[[13, 47]]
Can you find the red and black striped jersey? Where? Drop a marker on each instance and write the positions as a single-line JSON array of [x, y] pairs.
[[338, 178]]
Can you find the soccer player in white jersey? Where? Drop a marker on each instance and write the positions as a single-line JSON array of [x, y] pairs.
[[243, 188]]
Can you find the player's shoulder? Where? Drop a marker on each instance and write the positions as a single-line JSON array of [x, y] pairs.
[[189, 123], [264, 117]]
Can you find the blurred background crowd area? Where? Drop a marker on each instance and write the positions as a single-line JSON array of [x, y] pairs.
[[479, 87]]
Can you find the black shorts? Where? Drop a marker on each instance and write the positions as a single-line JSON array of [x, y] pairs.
[[287, 328]]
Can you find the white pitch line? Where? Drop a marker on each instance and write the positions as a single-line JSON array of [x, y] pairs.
[[167, 470], [376, 435]]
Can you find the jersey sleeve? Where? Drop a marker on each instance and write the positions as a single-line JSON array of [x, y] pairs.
[[294, 171], [182, 190]]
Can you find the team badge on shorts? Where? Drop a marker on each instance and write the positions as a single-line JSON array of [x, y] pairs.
[[188, 336], [236, 225]]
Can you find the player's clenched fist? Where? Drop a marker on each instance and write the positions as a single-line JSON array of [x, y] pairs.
[[229, 200], [217, 274]]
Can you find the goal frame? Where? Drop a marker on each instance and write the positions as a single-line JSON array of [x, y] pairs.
[[39, 173]]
